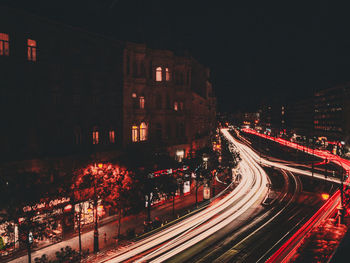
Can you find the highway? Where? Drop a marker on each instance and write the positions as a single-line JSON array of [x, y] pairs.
[[254, 239], [289, 248], [161, 246], [236, 228]]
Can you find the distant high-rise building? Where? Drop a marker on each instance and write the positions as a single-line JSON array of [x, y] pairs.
[[332, 113]]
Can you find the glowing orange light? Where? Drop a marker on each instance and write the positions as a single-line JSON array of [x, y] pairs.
[[325, 196], [100, 165]]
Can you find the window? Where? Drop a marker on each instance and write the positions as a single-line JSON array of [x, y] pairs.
[[143, 132], [142, 102], [77, 135], [167, 74], [142, 69], [133, 95], [95, 136], [135, 69], [175, 106], [158, 74], [150, 70], [159, 131], [134, 133], [4, 44], [127, 65], [111, 136], [31, 50], [158, 102], [168, 103]]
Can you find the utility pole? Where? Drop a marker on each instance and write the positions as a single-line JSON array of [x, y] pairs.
[[341, 210]]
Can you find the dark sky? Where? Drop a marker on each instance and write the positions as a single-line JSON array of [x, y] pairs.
[[256, 49]]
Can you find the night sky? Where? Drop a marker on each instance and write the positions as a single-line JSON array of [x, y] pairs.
[[256, 49]]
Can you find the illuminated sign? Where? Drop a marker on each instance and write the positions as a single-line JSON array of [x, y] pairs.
[[49, 204]]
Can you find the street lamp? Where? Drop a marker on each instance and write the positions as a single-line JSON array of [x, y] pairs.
[[341, 208]]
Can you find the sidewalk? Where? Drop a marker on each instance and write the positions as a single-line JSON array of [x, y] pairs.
[[110, 225]]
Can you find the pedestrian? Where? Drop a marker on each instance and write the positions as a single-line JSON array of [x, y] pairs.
[[105, 237]]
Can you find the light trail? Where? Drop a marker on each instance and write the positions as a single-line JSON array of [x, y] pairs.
[[179, 237], [288, 249]]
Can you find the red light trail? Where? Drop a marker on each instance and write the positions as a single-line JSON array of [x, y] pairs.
[[288, 249]]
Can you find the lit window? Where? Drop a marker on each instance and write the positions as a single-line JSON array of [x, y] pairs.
[[134, 133], [95, 137], [111, 136], [78, 137], [143, 132], [133, 95], [175, 106], [167, 74], [4, 44], [159, 74], [31, 50], [142, 102]]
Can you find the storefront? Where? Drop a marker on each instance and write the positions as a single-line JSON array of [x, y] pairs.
[[87, 213], [8, 238], [45, 227]]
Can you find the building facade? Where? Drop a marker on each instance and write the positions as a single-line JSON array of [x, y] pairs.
[[61, 91], [71, 97], [67, 92], [167, 100], [332, 113], [299, 116]]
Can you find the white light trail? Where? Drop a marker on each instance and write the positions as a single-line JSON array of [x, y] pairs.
[[192, 230]]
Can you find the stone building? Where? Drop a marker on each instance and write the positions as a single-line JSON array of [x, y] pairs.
[[166, 102]]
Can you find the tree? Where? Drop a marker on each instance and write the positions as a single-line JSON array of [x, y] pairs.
[[167, 184], [95, 183], [121, 195]]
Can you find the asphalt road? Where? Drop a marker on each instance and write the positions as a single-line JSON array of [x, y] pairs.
[[239, 228], [255, 238]]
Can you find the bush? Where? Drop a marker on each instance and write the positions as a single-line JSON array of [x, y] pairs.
[[67, 255], [42, 259]]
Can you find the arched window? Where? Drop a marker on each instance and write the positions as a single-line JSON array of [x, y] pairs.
[[135, 133], [95, 136], [112, 136], [176, 106], [167, 74], [142, 102], [143, 131], [31, 49], [158, 74]]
